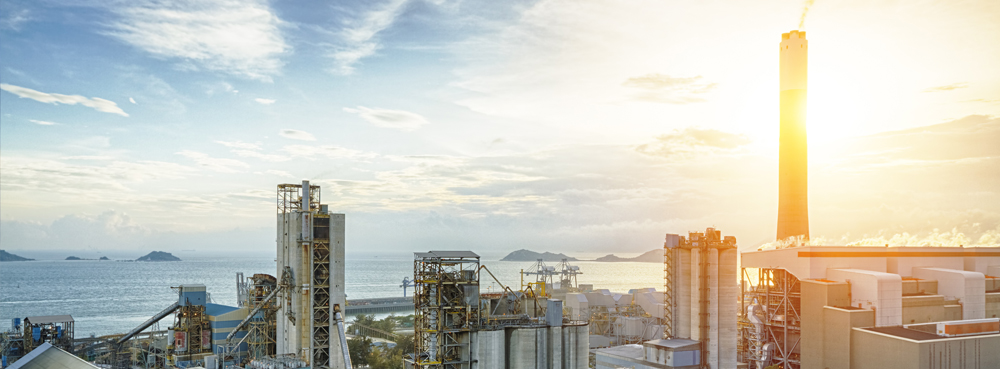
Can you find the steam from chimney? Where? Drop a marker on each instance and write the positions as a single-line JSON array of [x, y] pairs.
[[802, 21]]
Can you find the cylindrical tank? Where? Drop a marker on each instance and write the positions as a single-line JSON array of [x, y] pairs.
[[523, 347], [554, 347]]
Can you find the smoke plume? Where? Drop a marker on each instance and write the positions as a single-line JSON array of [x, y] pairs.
[[953, 238], [802, 21]]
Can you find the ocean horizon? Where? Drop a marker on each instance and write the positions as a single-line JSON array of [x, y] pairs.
[[108, 297]]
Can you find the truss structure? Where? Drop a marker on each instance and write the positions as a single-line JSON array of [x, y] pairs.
[[669, 265], [770, 332], [446, 302]]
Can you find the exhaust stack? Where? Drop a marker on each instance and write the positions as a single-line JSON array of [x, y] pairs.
[[793, 209]]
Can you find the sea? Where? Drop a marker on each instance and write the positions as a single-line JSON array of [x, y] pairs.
[[108, 297]]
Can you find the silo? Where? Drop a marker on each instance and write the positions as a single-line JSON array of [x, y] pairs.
[[728, 291], [554, 354], [682, 324]]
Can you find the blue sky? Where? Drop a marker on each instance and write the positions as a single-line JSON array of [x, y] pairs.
[[585, 127]]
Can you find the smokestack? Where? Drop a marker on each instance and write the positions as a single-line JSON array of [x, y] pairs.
[[793, 209]]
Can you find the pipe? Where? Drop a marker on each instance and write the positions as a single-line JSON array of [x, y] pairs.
[[149, 322], [253, 312], [343, 339]]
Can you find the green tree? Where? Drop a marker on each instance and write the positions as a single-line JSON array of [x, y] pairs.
[[360, 348]]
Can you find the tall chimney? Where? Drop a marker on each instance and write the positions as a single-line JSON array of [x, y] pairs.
[[793, 209]]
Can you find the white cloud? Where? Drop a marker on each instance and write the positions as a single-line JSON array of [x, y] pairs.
[[330, 152], [14, 19], [237, 37], [42, 122], [239, 145], [359, 39], [96, 103], [297, 135], [398, 119], [220, 165], [264, 101], [131, 100]]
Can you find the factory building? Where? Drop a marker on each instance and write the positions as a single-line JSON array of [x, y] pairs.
[[457, 327], [311, 265], [697, 309], [871, 307]]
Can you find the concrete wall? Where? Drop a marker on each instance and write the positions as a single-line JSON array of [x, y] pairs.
[[968, 288], [876, 350], [923, 309], [882, 292], [870, 350], [488, 350], [920, 286], [682, 323], [815, 295], [713, 308], [837, 336], [728, 309], [993, 305]]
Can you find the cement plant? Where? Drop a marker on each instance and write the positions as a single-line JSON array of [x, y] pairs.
[[792, 306]]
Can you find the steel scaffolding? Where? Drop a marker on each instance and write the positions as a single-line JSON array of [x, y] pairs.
[[669, 265], [770, 324], [446, 302]]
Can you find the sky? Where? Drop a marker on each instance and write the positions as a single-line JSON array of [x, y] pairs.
[[583, 127]]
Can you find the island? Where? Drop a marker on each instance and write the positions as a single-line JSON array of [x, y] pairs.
[[527, 255], [73, 258], [6, 256], [79, 258], [158, 256], [104, 258], [651, 256]]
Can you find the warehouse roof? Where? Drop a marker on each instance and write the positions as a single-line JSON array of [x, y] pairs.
[[446, 254], [47, 319], [46, 356]]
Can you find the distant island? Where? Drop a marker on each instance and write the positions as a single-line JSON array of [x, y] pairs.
[[158, 256], [6, 256], [79, 258], [527, 255], [651, 256]]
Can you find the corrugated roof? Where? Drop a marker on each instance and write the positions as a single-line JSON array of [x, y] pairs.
[[46, 356], [446, 254], [46, 319]]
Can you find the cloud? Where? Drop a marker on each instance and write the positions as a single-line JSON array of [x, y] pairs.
[[398, 119], [328, 151], [297, 135], [220, 165], [42, 122], [131, 100], [672, 90], [212, 89], [264, 101], [15, 19], [237, 37], [693, 141], [359, 40], [953, 86], [239, 145], [96, 103]]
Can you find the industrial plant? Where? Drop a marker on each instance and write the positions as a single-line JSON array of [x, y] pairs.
[[793, 306]]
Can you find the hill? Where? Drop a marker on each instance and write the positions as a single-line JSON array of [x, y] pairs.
[[6, 256], [527, 255], [651, 256], [158, 256]]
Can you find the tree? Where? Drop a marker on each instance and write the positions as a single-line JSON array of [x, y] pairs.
[[360, 349]]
